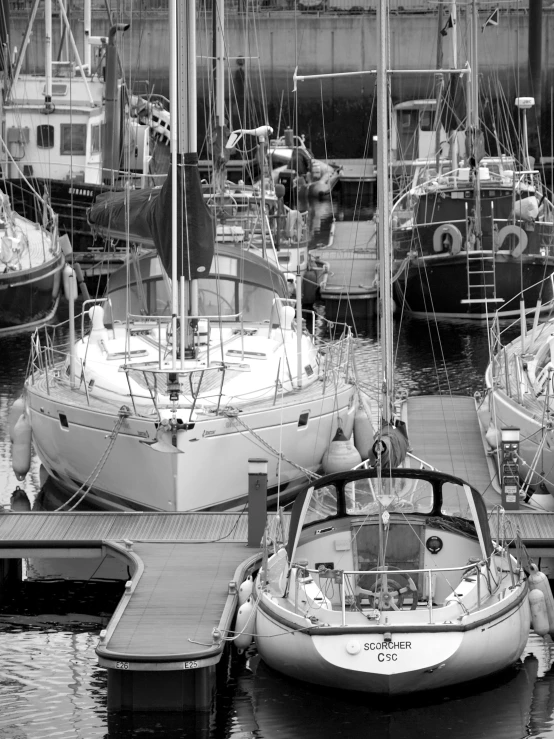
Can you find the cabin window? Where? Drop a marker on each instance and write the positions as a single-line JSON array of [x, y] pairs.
[[73, 138], [454, 501], [63, 421], [397, 494], [426, 120], [45, 136], [323, 504], [96, 139], [303, 419]]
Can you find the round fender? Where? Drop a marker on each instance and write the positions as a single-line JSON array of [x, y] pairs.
[[447, 236], [521, 245]]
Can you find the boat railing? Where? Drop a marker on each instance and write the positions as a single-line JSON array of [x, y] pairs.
[[352, 593]]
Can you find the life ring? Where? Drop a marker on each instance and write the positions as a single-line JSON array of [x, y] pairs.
[[447, 237], [521, 245]]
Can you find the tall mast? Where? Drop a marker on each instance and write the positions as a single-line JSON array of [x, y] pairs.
[[383, 205], [476, 144]]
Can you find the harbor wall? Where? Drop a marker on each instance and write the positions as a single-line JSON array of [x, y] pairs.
[[333, 112]]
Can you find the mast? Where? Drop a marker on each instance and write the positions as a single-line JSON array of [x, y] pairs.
[[383, 205], [475, 134], [173, 137]]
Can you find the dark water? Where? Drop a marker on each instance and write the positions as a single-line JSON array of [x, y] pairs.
[[51, 685]]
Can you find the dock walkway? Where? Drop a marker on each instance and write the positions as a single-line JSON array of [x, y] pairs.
[[163, 641]]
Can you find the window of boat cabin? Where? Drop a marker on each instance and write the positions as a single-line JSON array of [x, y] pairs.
[[147, 294], [426, 120], [454, 501], [73, 138], [394, 494], [234, 286], [323, 504], [96, 136], [45, 136]]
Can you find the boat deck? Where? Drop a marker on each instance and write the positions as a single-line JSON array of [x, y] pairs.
[[352, 257], [61, 390], [445, 432]]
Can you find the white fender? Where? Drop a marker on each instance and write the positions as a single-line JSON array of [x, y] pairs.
[[521, 245], [493, 436], [21, 447], [342, 455], [245, 590], [539, 581], [484, 410], [539, 617], [69, 275], [14, 414], [244, 625], [447, 229], [363, 428]]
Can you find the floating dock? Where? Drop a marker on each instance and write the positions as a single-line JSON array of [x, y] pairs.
[[163, 643]]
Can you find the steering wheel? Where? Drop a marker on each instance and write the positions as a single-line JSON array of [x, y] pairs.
[[388, 594], [225, 301]]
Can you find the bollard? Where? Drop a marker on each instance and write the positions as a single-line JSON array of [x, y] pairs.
[[257, 500]]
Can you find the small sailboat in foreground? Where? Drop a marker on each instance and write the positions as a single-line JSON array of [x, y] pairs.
[[390, 581]]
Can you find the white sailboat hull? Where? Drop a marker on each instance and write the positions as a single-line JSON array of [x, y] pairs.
[[420, 658], [148, 470]]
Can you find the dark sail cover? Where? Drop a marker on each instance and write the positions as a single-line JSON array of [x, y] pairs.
[[145, 216], [391, 446]]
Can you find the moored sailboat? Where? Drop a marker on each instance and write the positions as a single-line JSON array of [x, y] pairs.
[[195, 359]]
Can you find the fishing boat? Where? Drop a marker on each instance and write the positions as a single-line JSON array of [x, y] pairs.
[[69, 134], [389, 581], [31, 269], [474, 235], [194, 361]]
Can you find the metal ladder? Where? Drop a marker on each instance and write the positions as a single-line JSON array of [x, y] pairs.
[[481, 279]]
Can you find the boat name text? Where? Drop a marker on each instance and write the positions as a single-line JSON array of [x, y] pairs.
[[371, 646]]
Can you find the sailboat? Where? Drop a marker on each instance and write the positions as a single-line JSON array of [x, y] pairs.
[[195, 361], [519, 397], [31, 269], [389, 581], [471, 237]]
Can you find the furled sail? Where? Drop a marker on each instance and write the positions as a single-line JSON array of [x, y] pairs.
[[144, 216], [390, 446]]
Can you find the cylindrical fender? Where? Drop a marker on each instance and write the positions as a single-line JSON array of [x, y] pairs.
[[447, 229], [521, 245]]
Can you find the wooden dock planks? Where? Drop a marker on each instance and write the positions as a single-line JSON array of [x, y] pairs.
[[444, 431], [178, 601]]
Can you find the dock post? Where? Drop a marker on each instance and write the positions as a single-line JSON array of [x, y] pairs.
[[257, 500]]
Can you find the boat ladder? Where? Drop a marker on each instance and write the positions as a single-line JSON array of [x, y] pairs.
[[481, 278]]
